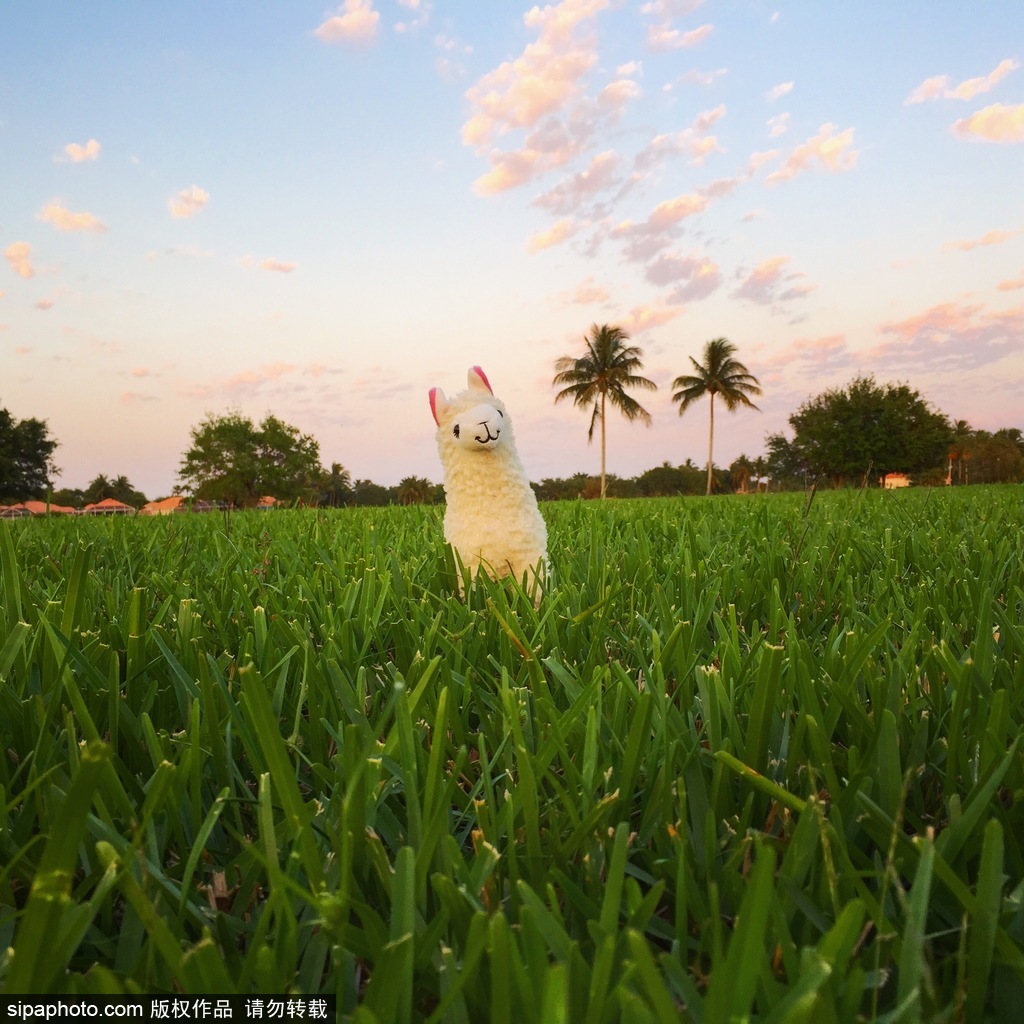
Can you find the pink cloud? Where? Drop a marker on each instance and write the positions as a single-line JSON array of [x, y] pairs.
[[997, 123], [542, 80], [570, 194], [663, 37], [188, 202], [644, 241], [692, 142], [691, 277], [776, 92], [277, 266], [826, 149], [703, 78], [617, 94], [668, 9], [995, 237], [930, 89], [355, 22], [64, 220], [543, 93], [671, 211], [646, 318], [938, 86], [19, 256], [555, 235], [817, 352], [79, 154], [949, 336], [768, 283], [1012, 284], [589, 293], [44, 304]]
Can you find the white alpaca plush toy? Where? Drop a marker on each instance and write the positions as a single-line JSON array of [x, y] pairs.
[[492, 519]]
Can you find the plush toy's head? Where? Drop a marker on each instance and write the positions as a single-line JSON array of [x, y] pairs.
[[473, 420]]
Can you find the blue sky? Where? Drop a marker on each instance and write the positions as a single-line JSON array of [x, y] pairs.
[[322, 212]]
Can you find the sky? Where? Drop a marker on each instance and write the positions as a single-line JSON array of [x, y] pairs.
[[322, 211]]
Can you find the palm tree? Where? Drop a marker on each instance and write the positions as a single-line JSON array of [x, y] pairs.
[[336, 486], [99, 489], [720, 375], [958, 452], [602, 375]]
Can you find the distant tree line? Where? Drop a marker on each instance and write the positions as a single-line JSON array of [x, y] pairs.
[[850, 436]]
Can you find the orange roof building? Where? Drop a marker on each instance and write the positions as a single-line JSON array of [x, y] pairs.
[[38, 508], [108, 507], [176, 503]]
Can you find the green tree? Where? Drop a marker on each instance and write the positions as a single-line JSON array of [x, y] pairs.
[[415, 490], [601, 376], [719, 374], [232, 460], [997, 458], [26, 458], [366, 492], [739, 474], [845, 433]]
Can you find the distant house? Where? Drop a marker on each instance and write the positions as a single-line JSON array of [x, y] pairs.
[[167, 507], [36, 508], [893, 480], [108, 507]]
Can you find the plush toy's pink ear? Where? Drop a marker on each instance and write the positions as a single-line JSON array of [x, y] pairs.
[[477, 377], [438, 404]]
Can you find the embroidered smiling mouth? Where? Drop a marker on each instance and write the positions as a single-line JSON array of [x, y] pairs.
[[487, 431]]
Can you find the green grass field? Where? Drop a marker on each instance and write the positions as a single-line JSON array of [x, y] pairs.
[[752, 758]]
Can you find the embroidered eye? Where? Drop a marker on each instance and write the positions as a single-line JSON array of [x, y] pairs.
[[455, 430]]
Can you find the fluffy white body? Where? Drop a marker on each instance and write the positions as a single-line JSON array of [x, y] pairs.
[[492, 519]]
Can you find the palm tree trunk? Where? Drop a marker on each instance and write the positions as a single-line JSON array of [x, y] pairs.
[[604, 486], [711, 440]]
